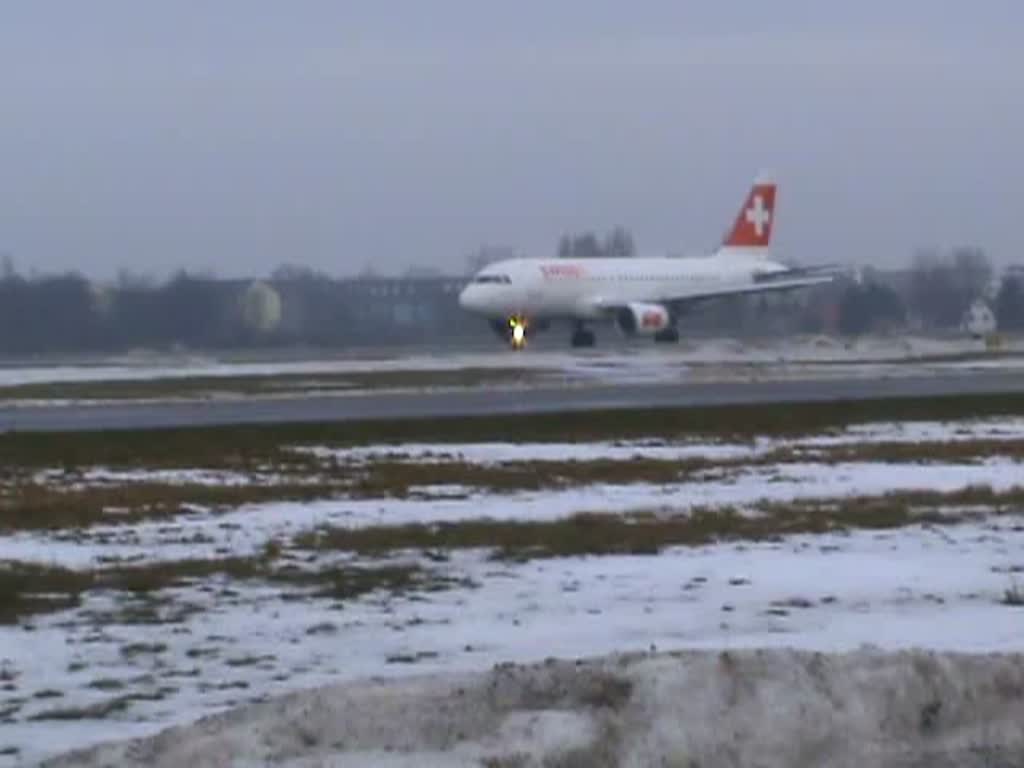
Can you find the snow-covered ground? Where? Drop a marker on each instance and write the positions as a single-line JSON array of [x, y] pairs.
[[773, 708], [624, 450], [218, 643], [199, 533], [909, 588]]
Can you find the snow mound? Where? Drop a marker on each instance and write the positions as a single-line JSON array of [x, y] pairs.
[[696, 708]]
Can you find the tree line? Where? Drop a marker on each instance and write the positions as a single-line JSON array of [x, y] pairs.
[[939, 290], [69, 314], [618, 243]]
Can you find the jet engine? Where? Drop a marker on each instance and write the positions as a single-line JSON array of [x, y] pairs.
[[643, 319]]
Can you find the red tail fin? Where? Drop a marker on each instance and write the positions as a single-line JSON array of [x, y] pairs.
[[753, 225]]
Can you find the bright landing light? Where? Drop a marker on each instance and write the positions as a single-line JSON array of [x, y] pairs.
[[518, 334]]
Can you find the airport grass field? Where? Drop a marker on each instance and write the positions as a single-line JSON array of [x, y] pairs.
[[149, 578]]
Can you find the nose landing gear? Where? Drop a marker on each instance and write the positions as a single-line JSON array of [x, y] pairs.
[[516, 330], [513, 331], [517, 333]]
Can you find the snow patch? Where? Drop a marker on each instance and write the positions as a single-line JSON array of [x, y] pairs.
[[1006, 429], [908, 588], [245, 530], [774, 709]]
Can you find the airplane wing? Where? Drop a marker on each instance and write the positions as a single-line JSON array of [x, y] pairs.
[[766, 283], [774, 285]]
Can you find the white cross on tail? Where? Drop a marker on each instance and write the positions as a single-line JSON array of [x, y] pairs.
[[758, 215]]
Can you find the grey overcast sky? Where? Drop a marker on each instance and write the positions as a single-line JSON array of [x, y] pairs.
[[235, 135]]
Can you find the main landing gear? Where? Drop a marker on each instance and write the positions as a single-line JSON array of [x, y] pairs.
[[581, 337], [668, 336]]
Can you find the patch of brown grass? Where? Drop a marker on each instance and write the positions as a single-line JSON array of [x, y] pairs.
[[1013, 595], [34, 506], [396, 478], [651, 532], [101, 709], [29, 589], [953, 452], [26, 590], [66, 503]]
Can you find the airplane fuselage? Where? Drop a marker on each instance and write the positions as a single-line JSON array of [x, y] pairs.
[[643, 296], [582, 288]]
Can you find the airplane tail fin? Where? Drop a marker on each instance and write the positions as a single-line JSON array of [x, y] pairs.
[[751, 232]]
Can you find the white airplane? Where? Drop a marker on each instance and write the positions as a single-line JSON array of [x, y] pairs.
[[642, 296]]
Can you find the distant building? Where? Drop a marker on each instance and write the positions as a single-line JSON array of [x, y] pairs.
[[980, 320]]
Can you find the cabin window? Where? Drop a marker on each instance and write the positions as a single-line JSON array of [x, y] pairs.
[[493, 279]]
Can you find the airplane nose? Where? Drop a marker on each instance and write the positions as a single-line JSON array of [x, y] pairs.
[[466, 300]]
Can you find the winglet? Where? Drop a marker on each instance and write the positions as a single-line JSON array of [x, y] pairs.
[[756, 219]]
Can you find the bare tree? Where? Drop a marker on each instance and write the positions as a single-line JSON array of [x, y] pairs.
[[130, 280], [973, 272], [1010, 304], [487, 254], [945, 286], [618, 242], [10, 272], [869, 307], [296, 273]]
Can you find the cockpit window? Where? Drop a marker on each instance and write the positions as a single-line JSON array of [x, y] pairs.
[[501, 279]]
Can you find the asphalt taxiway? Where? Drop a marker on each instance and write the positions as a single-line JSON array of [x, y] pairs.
[[470, 402]]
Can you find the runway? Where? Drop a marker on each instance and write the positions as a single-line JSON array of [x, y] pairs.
[[471, 402]]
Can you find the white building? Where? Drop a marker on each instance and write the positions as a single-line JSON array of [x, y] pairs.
[[980, 320]]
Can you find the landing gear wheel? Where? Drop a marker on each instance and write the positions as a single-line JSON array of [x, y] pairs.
[[668, 336], [583, 338]]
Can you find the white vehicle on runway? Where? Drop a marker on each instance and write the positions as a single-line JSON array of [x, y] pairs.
[[642, 296]]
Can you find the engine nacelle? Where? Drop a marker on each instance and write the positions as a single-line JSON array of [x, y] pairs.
[[643, 319]]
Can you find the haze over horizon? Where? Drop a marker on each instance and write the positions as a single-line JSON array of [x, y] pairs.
[[233, 137]]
